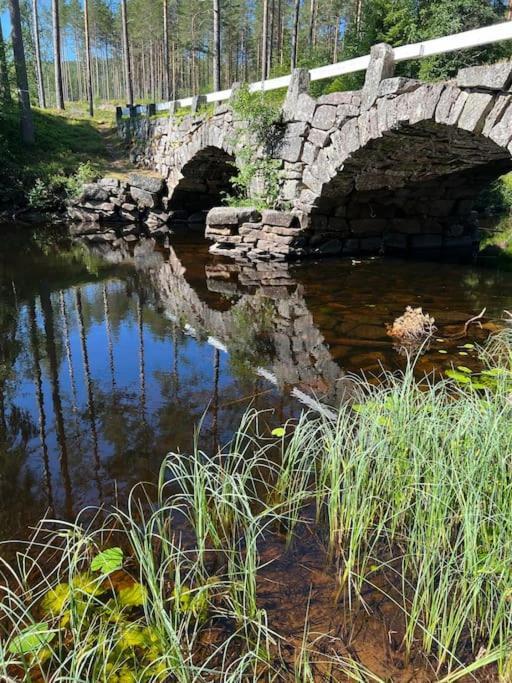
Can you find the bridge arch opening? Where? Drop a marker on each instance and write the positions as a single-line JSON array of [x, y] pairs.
[[205, 179], [413, 189]]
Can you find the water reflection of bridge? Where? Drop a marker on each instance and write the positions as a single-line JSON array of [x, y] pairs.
[[111, 369]]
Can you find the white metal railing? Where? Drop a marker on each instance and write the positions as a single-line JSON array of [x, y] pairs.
[[437, 46]]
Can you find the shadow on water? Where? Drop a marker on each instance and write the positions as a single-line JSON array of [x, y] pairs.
[[110, 357]]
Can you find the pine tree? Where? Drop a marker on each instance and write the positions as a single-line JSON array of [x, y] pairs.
[[26, 119]]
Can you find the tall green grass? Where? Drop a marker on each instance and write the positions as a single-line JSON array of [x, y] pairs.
[[410, 490]]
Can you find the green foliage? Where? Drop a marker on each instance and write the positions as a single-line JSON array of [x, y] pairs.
[[442, 17], [497, 198], [50, 193], [31, 639], [108, 561], [258, 131], [68, 147]]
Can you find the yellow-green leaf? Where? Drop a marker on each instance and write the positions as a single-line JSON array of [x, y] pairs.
[[108, 561], [279, 431], [31, 639], [55, 600], [133, 596]]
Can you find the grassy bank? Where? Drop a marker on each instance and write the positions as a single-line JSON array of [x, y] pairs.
[[406, 494], [64, 141]]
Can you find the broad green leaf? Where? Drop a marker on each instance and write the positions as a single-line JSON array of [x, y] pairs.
[[133, 596], [108, 561], [279, 431], [86, 583], [31, 639], [459, 377], [55, 600]]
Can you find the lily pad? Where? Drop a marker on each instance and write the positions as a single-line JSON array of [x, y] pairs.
[[279, 431]]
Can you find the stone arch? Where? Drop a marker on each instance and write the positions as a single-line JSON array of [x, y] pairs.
[[202, 180], [405, 173]]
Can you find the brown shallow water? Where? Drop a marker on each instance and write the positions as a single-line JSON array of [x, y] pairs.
[[109, 357]]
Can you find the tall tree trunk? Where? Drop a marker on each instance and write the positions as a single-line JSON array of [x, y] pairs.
[[264, 42], [37, 48], [312, 20], [295, 34], [88, 58], [336, 41], [216, 45], [57, 59], [126, 56], [5, 91], [167, 66], [509, 10], [271, 37], [27, 122]]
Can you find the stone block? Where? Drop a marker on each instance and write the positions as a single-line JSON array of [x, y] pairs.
[[407, 226], [450, 105], [143, 198], [319, 138], [476, 109], [290, 189], [501, 133], [397, 86], [93, 192], [486, 77], [371, 244], [368, 226], [228, 215], [341, 98], [148, 183], [309, 153], [330, 247], [282, 219], [382, 66], [325, 116], [299, 84]]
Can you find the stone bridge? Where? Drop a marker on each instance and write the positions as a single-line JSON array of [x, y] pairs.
[[395, 166]]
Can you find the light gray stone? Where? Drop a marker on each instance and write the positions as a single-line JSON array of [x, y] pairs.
[[325, 116], [397, 86], [475, 111], [143, 198], [147, 182], [283, 219], [299, 84], [382, 66], [319, 138], [487, 77]]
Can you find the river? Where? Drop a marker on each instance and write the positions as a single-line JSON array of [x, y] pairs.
[[110, 357]]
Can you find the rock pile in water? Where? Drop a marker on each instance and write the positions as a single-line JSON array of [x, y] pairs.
[[111, 208]]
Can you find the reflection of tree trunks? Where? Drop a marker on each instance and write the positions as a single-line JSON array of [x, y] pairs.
[[38, 384], [175, 360], [215, 400], [142, 369], [46, 306], [69, 359], [91, 409], [108, 330]]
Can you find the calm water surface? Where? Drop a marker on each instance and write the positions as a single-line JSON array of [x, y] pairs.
[[110, 357]]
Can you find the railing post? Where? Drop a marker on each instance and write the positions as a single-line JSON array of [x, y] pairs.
[[119, 114], [299, 85], [381, 66], [174, 105], [151, 110], [133, 110], [197, 102]]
